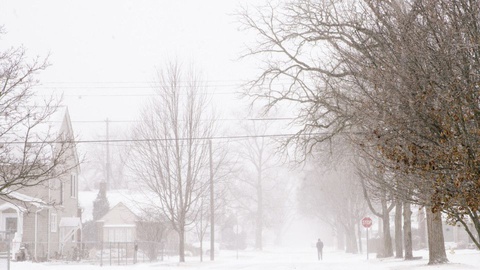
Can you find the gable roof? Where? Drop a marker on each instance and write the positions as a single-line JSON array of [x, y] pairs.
[[119, 214], [135, 201], [56, 126], [27, 199]]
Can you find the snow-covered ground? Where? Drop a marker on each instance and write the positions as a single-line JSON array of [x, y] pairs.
[[280, 259]]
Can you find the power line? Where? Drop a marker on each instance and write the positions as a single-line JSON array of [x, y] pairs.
[[134, 86], [139, 82], [238, 137], [80, 95], [130, 86], [219, 119], [90, 86]]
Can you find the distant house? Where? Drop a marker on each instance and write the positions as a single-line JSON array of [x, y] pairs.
[[127, 224], [121, 228], [119, 224], [47, 222]]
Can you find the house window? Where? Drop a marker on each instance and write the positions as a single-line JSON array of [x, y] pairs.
[[73, 185], [11, 224], [61, 192], [118, 234], [53, 223]]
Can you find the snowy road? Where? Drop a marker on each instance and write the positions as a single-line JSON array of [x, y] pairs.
[[280, 259]]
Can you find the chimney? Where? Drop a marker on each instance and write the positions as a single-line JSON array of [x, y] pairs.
[[103, 189]]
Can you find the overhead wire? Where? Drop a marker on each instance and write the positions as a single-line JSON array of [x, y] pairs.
[[219, 119], [213, 138], [90, 86]]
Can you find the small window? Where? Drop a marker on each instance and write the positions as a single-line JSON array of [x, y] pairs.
[[53, 223], [11, 224], [61, 192], [73, 185]]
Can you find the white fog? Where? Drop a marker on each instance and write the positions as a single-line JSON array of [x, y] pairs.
[[234, 134]]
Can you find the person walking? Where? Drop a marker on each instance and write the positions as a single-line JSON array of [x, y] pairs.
[[320, 249]]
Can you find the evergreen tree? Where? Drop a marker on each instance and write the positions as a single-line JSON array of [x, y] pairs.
[[101, 205]]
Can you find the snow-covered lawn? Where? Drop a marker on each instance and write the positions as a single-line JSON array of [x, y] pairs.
[[279, 259]]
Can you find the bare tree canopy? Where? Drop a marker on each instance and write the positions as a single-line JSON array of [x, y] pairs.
[[170, 158], [33, 150], [259, 190], [382, 71]]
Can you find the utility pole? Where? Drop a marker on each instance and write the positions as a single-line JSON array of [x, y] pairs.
[[212, 207], [107, 186]]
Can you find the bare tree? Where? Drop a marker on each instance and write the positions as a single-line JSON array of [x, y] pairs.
[[202, 224], [331, 192], [152, 231], [256, 180], [32, 149], [376, 193], [384, 68], [96, 166], [170, 156]]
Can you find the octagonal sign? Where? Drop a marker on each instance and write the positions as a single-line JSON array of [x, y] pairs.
[[366, 222]]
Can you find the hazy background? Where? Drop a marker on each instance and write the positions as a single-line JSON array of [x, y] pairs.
[[104, 56]]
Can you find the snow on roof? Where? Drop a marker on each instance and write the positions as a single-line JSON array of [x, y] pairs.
[[51, 125], [49, 129], [130, 199], [9, 205], [28, 199]]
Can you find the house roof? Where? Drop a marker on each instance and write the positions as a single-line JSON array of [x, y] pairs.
[[135, 201], [8, 205], [127, 216], [56, 126], [49, 127], [127, 197], [27, 199]]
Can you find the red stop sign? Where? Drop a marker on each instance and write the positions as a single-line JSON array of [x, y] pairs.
[[366, 222]]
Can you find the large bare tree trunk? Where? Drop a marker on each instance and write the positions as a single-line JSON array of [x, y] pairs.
[[359, 232], [340, 237], [351, 239], [398, 229], [181, 246], [407, 231], [387, 238], [422, 227], [436, 242]]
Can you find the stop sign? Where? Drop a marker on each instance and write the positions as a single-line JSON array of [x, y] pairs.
[[366, 222]]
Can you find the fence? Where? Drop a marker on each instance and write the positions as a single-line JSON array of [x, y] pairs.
[[102, 253], [5, 255]]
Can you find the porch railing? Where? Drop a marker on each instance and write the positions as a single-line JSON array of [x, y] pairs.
[[5, 249]]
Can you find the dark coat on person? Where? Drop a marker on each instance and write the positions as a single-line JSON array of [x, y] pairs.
[[319, 245]]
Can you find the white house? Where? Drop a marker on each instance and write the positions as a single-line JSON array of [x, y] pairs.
[[46, 218]]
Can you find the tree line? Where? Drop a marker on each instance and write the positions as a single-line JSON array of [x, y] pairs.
[[398, 79], [396, 82]]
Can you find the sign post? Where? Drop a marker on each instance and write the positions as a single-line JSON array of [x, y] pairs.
[[367, 223]]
